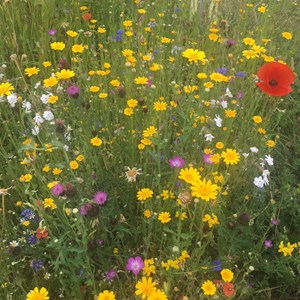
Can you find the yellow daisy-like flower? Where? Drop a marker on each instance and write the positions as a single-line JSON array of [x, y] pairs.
[[101, 30], [6, 88], [287, 35], [50, 82], [189, 175], [262, 9], [144, 194], [270, 143], [227, 275], [52, 99], [230, 156], [132, 103], [145, 287], [249, 41], [250, 54], [204, 189], [150, 131], [257, 119], [64, 74], [127, 23], [38, 294], [96, 142], [218, 77], [77, 48], [71, 33], [141, 80], [74, 165], [160, 105], [194, 55], [46, 64], [209, 288], [165, 40], [107, 295], [158, 295], [164, 217], [58, 46], [32, 71], [230, 113], [128, 111]]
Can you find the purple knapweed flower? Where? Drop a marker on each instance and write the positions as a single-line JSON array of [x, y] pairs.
[[222, 70], [100, 198], [52, 31], [73, 91], [230, 42], [135, 264], [176, 162], [268, 244], [111, 274], [89, 209], [58, 189]]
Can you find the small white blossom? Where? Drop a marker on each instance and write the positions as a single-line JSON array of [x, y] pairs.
[[208, 137], [44, 98], [259, 182], [218, 120], [37, 84], [12, 99], [27, 106], [48, 115], [224, 104], [35, 130], [253, 149], [228, 93], [269, 159], [38, 119]]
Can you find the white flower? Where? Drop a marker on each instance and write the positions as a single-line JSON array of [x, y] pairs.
[[224, 104], [259, 182], [37, 84], [14, 243], [12, 99], [208, 137], [132, 173], [38, 119], [218, 120], [269, 160], [48, 115], [253, 149], [27, 106], [44, 98], [228, 93], [35, 130]]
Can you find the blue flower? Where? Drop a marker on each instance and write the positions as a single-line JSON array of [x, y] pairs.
[[217, 265], [240, 74], [222, 70], [32, 240], [36, 264], [27, 214]]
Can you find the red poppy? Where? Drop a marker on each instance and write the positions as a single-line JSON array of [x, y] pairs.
[[41, 233], [275, 79], [87, 16], [228, 289]]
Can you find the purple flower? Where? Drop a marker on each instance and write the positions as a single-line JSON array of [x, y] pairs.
[[73, 91], [206, 158], [217, 265], [222, 70], [27, 214], [32, 240], [176, 162], [268, 244], [135, 264], [52, 31], [239, 95], [58, 189], [111, 274], [100, 198], [230, 42], [89, 209], [36, 264], [240, 74], [119, 35], [275, 221]]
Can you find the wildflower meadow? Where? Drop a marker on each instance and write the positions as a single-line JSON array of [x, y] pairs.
[[149, 149]]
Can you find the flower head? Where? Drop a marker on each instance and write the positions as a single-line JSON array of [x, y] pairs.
[[145, 287], [73, 90], [100, 198], [176, 162], [58, 189], [106, 295], [227, 275], [275, 79], [204, 190], [228, 289], [135, 264], [144, 194], [209, 288], [38, 294]]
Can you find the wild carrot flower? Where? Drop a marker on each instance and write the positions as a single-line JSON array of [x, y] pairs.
[[135, 264]]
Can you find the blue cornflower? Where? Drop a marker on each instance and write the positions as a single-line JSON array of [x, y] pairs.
[[32, 240], [240, 74], [36, 264], [217, 265], [222, 70], [27, 214], [119, 35]]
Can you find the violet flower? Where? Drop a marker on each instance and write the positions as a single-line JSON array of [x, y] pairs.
[[135, 264], [176, 162], [206, 159], [268, 244], [100, 198], [58, 189], [52, 31], [73, 91]]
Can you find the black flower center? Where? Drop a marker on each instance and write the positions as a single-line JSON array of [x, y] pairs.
[[273, 82]]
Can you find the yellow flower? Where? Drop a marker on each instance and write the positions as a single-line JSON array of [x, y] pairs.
[[128, 111], [38, 294], [158, 295], [160, 105], [194, 55], [219, 145], [49, 82], [101, 30], [127, 52], [286, 250], [208, 85], [287, 35], [94, 89], [56, 171], [145, 287], [204, 189], [96, 142], [219, 77], [64, 74], [132, 103], [189, 175], [208, 287], [230, 113], [58, 46], [150, 131], [72, 33], [249, 41], [106, 295], [103, 95], [262, 9], [257, 119], [26, 178], [52, 99], [46, 168], [165, 40], [77, 48], [164, 217], [49, 203], [250, 54], [127, 23], [213, 37], [270, 143], [5, 89], [80, 157], [227, 275], [32, 71], [149, 267], [147, 213], [201, 75], [74, 165], [141, 80], [144, 194], [46, 64], [230, 156], [115, 83]]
